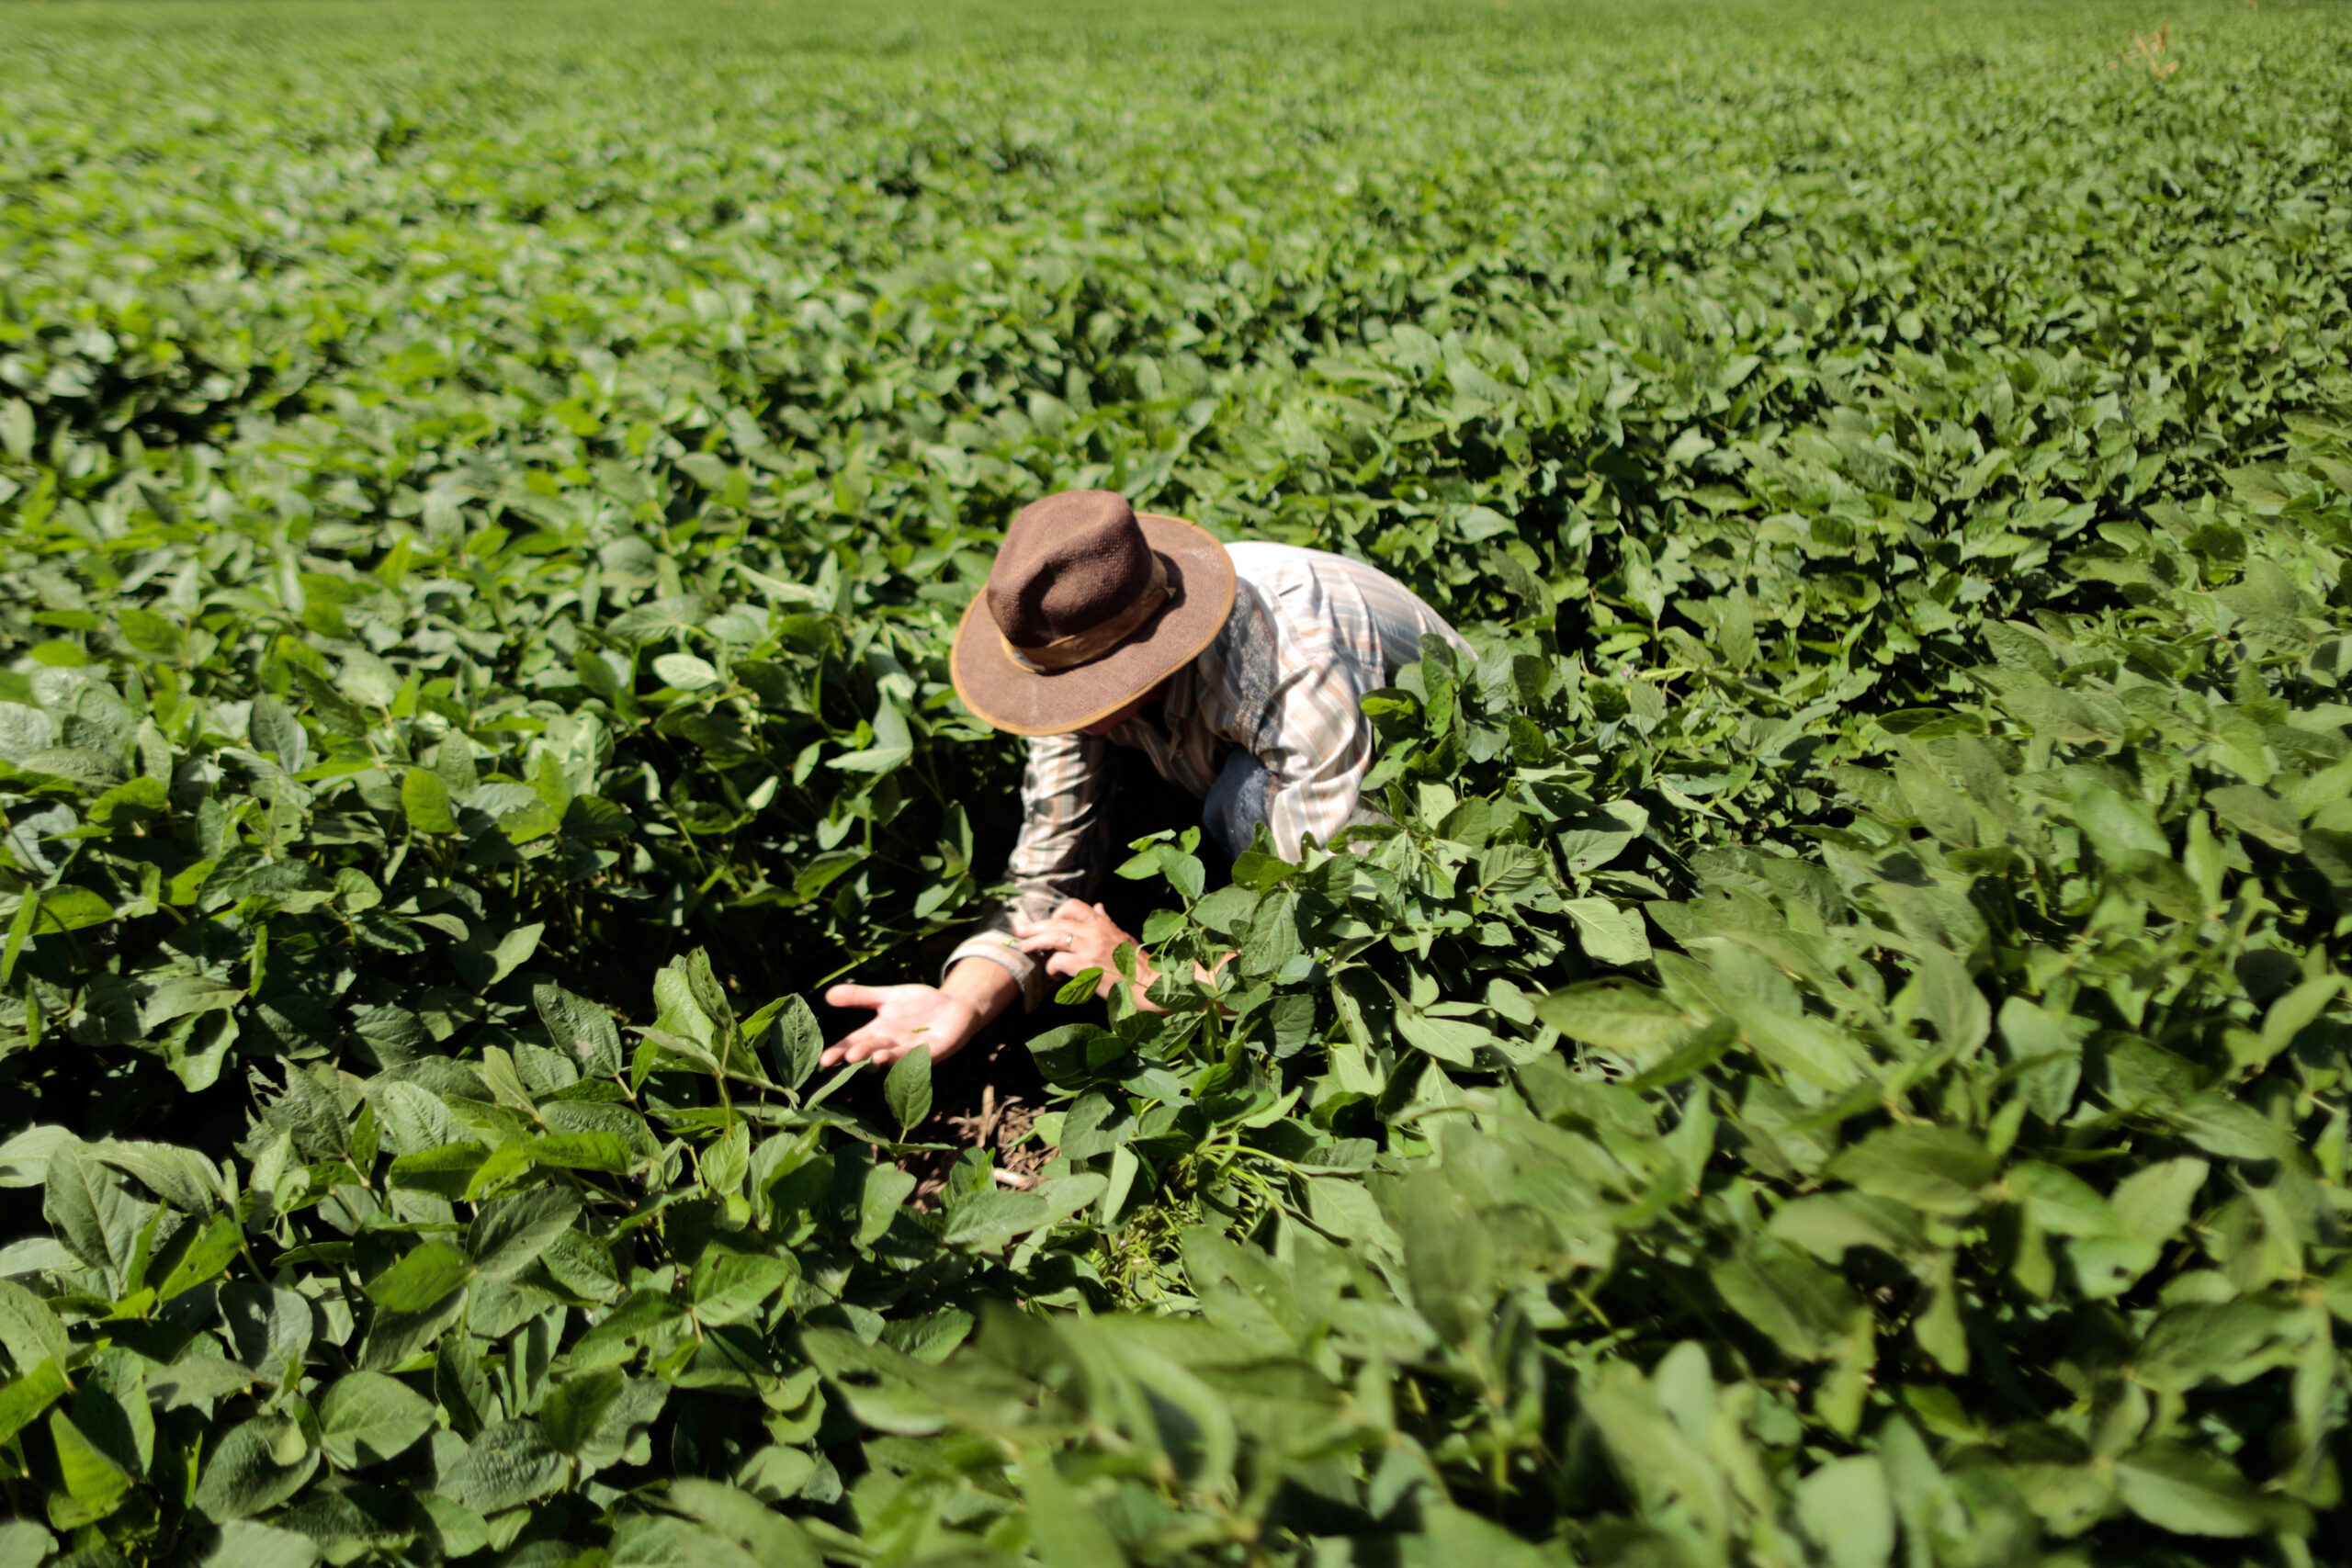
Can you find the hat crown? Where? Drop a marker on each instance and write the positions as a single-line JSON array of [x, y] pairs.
[[1071, 562]]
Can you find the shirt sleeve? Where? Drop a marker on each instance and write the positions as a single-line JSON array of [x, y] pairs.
[[1059, 854]]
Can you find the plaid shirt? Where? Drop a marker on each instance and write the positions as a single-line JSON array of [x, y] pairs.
[[1285, 680]]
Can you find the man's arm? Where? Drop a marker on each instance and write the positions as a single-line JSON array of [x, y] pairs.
[[1058, 855]]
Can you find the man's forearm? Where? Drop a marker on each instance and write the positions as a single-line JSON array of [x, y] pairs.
[[987, 986]]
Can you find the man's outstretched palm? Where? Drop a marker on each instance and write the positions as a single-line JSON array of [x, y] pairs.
[[904, 1017]]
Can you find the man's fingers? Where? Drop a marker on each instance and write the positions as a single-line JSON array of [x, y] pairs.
[[860, 1042], [1076, 909], [873, 1050], [854, 997], [1052, 938]]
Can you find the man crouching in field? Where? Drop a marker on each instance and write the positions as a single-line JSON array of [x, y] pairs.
[[1239, 673]]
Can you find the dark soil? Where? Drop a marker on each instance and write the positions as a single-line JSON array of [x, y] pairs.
[[987, 1097]]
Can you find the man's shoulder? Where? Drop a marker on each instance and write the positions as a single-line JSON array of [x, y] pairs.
[[1293, 579], [1275, 567], [1256, 559]]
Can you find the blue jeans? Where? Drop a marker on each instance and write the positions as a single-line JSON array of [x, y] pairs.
[[1236, 802]]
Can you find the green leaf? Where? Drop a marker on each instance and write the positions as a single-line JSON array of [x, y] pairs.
[[580, 1029], [1449, 1040], [709, 996], [2059, 1202], [270, 1327], [1611, 935], [245, 1544], [333, 709], [772, 1540], [1592, 840], [1795, 1302], [258, 1465], [874, 759], [94, 1482], [593, 818], [1846, 1505], [447, 1170], [23, 1400], [776, 1473], [24, 1545], [795, 1041], [575, 1408], [482, 963], [1937, 1170], [907, 1089], [67, 907], [1829, 1223], [2154, 1201], [368, 1417], [1064, 1531], [990, 1219], [2033, 1036], [2190, 1492], [424, 1276], [89, 1212], [2220, 1342], [425, 801], [29, 1330], [1616, 1015], [685, 670], [2259, 814], [1095, 1126], [1813, 1049], [276, 730], [653, 1540], [2296, 1010], [509, 1234], [510, 1465], [729, 1286], [17, 434], [1449, 1259], [181, 1177], [607, 1152], [885, 1194]]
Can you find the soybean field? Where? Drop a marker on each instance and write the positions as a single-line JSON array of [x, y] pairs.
[[1835, 1058]]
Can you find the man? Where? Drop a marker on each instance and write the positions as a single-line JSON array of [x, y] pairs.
[[1239, 673]]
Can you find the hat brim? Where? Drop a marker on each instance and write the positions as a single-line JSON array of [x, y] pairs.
[[1002, 693]]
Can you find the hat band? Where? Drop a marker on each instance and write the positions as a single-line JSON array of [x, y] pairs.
[[1084, 648]]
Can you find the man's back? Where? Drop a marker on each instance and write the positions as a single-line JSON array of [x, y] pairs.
[[1309, 634]]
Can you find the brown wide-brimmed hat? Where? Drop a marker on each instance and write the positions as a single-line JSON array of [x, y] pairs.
[[1089, 605]]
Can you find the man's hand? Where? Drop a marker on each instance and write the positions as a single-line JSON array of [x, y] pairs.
[[904, 1017], [943, 1017], [1080, 937]]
